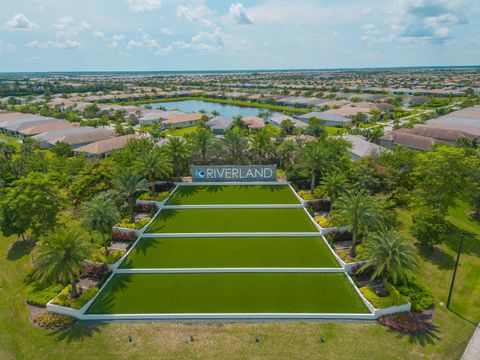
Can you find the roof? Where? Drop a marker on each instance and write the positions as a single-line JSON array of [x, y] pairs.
[[220, 123], [38, 129], [181, 118], [74, 135], [253, 122], [447, 134], [326, 117], [361, 147], [277, 119], [104, 146], [410, 140]]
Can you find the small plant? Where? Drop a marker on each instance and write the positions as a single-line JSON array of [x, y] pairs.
[[323, 221], [64, 299], [144, 208], [53, 321], [94, 270], [306, 195], [112, 257], [418, 293], [394, 298], [162, 196], [406, 322], [340, 236], [137, 225], [40, 294], [118, 235]]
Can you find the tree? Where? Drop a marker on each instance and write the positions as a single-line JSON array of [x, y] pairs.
[[202, 140], [31, 204], [287, 126], [393, 257], [101, 214], [61, 148], [178, 151], [235, 144], [313, 158], [334, 183], [238, 122], [7, 151], [429, 226], [358, 211], [315, 127], [261, 145], [288, 154], [361, 117], [60, 257], [154, 165], [129, 183]]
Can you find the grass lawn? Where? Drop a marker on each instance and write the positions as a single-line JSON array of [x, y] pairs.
[[332, 130], [232, 220], [228, 293], [217, 252], [232, 194], [181, 131]]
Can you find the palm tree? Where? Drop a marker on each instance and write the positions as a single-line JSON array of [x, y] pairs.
[[153, 165], [7, 150], [60, 257], [261, 145], [238, 122], [202, 140], [215, 113], [287, 153], [334, 183], [129, 182], [314, 158], [393, 256], [358, 211], [236, 144], [178, 151], [101, 214]]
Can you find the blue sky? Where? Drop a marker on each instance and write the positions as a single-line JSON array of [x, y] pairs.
[[60, 35]]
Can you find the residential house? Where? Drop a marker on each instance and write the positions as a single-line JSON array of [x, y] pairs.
[[219, 124]]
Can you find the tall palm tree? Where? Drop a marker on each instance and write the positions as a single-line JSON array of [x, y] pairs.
[[178, 151], [154, 165], [358, 211], [101, 214], [393, 256], [287, 153], [314, 158], [238, 122], [334, 183], [261, 145], [60, 257], [6, 151], [202, 140], [236, 144], [129, 182]]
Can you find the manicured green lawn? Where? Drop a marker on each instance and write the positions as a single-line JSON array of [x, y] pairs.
[[232, 220], [230, 252], [232, 194], [182, 131], [228, 293]]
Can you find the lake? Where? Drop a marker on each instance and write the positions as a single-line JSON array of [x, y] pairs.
[[190, 106]]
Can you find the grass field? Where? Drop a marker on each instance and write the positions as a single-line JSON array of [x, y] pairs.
[[230, 252], [228, 293], [232, 194], [232, 220], [181, 131]]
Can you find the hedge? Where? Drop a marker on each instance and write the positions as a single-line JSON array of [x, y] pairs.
[[40, 294], [394, 297], [419, 294], [63, 299], [53, 321]]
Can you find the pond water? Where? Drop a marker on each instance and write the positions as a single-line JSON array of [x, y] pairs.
[[190, 106]]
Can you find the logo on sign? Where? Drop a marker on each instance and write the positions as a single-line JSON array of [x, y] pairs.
[[200, 173]]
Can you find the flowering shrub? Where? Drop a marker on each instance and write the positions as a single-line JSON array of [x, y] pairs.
[[306, 195], [323, 221], [53, 321], [406, 322], [63, 299], [340, 236], [145, 208], [94, 270], [319, 204], [344, 254], [125, 223], [162, 196], [112, 257], [118, 235]]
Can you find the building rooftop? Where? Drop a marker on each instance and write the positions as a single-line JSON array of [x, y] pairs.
[[105, 146]]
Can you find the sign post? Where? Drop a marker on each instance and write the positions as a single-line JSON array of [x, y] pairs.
[[234, 173]]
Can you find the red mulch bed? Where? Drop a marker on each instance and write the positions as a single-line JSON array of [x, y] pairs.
[[413, 323]]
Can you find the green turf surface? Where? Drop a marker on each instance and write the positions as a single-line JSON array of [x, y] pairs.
[[228, 293], [232, 194], [230, 252], [232, 220]]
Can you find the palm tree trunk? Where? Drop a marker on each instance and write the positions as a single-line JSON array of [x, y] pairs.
[[73, 292], [312, 184], [353, 253], [132, 213], [104, 242], [152, 187]]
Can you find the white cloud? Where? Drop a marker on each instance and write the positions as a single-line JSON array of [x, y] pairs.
[[116, 39], [239, 15], [32, 59], [147, 42], [372, 35], [206, 41], [66, 27], [7, 47], [21, 23], [197, 11], [61, 44], [143, 5], [166, 31], [98, 34]]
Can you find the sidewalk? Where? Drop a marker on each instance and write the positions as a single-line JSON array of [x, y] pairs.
[[472, 352]]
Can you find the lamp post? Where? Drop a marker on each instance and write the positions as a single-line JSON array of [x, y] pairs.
[[459, 251]]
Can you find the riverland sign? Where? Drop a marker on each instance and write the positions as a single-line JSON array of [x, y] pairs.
[[234, 173]]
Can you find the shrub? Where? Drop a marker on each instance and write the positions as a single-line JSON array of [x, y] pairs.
[[306, 195], [145, 196], [323, 221], [319, 204], [145, 208], [118, 235], [418, 293], [100, 256], [53, 321], [406, 322], [137, 225], [429, 226], [340, 236], [41, 294], [94, 270], [162, 196], [63, 299], [344, 254], [394, 297]]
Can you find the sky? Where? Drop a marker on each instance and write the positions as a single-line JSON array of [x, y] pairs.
[[147, 35]]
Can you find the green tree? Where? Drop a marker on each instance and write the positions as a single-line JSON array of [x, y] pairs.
[[178, 152], [391, 255], [261, 145], [7, 151], [334, 184], [429, 226], [129, 183], [313, 159], [202, 140], [315, 127], [239, 123], [31, 204], [358, 211], [235, 144], [154, 165], [101, 214], [61, 148], [60, 257], [287, 126]]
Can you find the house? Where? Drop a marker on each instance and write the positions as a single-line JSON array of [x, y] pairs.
[[219, 124], [253, 122], [416, 142], [276, 121], [74, 136], [361, 147], [180, 120], [40, 128], [12, 123], [101, 148], [328, 118], [447, 134], [467, 117]]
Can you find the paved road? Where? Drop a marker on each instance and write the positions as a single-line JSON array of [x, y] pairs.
[[472, 352]]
